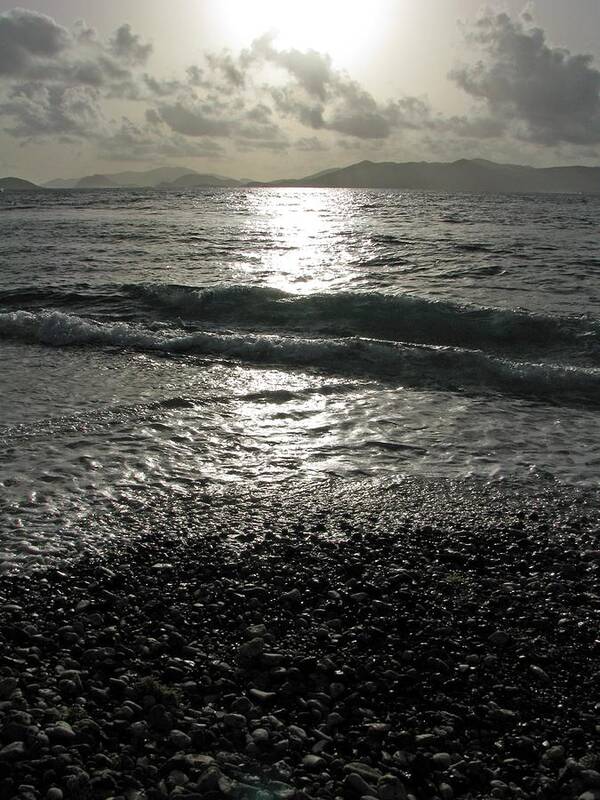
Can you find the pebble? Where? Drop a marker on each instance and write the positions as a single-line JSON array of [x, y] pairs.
[[236, 721], [355, 784], [8, 686], [442, 760], [14, 751], [499, 638], [313, 763], [540, 674], [61, 733], [179, 739], [250, 651], [390, 787], [260, 735], [316, 666]]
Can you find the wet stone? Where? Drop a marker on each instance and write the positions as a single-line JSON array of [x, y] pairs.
[[235, 721], [313, 762], [356, 786], [251, 651], [14, 751], [180, 740], [8, 687]]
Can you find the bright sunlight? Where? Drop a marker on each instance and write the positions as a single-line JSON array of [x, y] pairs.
[[345, 30]]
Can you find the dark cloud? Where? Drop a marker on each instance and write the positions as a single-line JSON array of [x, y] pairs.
[[474, 127], [312, 70], [152, 117], [33, 47], [292, 103], [260, 113], [324, 98], [128, 46], [257, 126], [309, 144], [53, 83], [140, 142], [194, 120], [252, 128], [350, 110], [60, 84], [545, 93], [224, 63], [37, 111], [26, 37], [225, 98], [356, 113], [161, 88], [195, 75]]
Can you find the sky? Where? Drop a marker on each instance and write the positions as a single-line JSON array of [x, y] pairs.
[[266, 89]]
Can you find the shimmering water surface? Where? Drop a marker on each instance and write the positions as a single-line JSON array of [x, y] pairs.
[[154, 341]]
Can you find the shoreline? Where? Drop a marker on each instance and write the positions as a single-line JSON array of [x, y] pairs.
[[429, 640]]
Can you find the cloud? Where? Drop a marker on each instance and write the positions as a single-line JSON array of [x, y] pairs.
[[161, 88], [62, 84], [475, 127], [252, 128], [26, 37], [547, 95], [132, 141], [310, 144], [34, 47], [194, 120], [128, 46], [232, 73], [39, 111], [54, 83], [224, 98], [324, 98], [312, 70]]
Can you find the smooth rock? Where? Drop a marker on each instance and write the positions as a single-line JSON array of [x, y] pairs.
[[8, 686], [390, 787], [252, 650], [14, 751]]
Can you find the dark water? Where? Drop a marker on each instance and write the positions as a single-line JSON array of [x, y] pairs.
[[153, 341]]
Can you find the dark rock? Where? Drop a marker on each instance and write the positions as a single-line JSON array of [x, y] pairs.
[[14, 751], [356, 786], [8, 687], [251, 651]]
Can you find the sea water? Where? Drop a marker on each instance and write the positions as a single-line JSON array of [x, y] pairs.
[[153, 342]]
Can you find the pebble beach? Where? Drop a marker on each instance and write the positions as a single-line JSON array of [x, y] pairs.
[[425, 640], [299, 400]]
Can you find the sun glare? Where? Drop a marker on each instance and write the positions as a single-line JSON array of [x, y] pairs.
[[345, 30]]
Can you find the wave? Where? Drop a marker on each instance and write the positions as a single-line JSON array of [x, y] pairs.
[[395, 317], [511, 333], [411, 365]]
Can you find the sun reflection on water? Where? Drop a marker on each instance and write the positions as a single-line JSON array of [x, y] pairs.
[[305, 251]]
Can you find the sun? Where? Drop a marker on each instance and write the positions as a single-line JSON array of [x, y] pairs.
[[344, 30]]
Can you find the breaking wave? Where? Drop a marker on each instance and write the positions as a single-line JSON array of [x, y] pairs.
[[397, 317], [413, 365], [372, 314]]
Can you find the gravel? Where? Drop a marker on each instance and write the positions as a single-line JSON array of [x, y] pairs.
[[424, 641]]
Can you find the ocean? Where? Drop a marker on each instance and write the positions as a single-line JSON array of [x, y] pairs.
[[153, 343]]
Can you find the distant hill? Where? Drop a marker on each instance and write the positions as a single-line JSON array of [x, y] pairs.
[[474, 175], [140, 178], [17, 185], [95, 182], [60, 183], [160, 176], [194, 179], [465, 175], [150, 177]]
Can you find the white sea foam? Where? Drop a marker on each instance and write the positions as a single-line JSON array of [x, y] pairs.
[[408, 364]]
